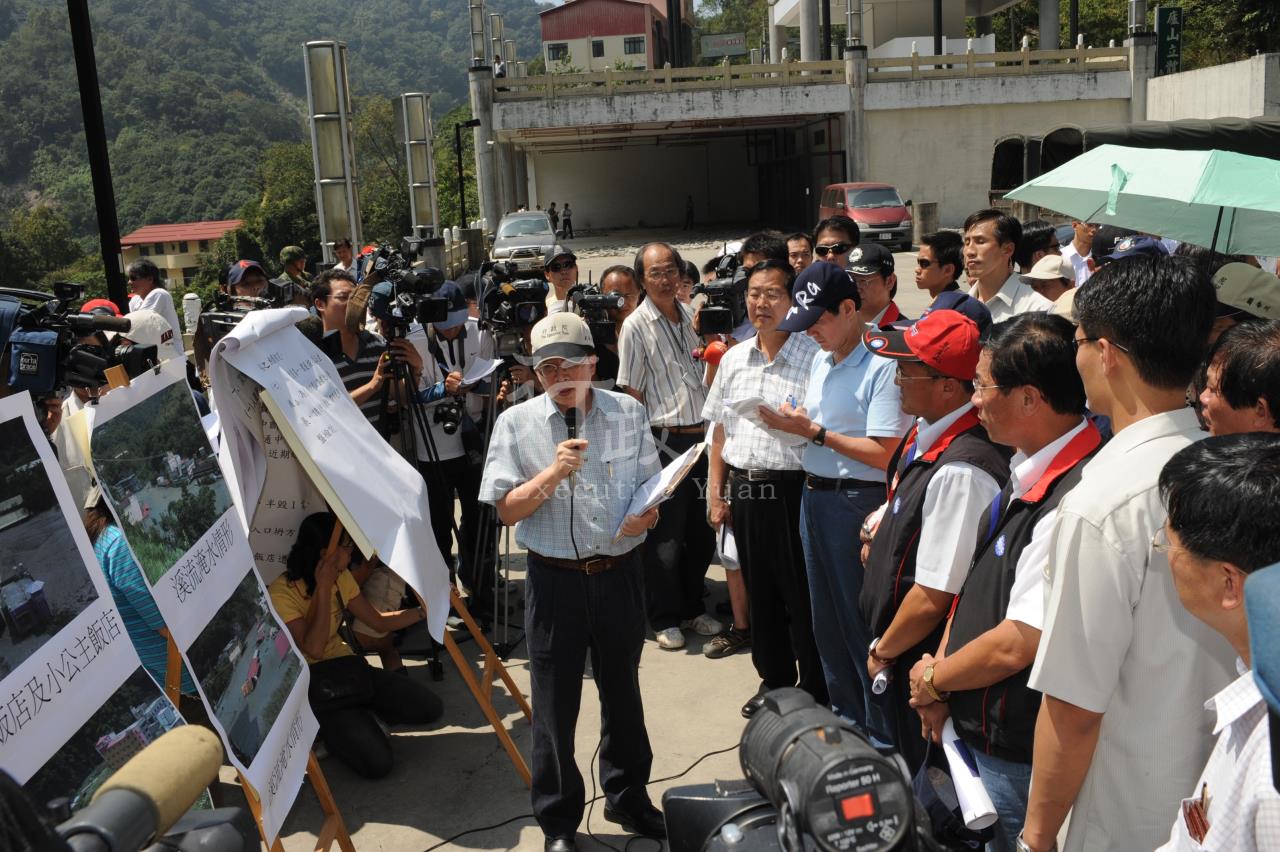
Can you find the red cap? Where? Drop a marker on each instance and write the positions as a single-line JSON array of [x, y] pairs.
[[100, 306], [945, 340]]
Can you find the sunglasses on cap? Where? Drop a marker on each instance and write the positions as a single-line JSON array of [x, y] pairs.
[[835, 248], [562, 265]]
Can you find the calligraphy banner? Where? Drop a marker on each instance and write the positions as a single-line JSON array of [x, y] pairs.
[[162, 479]]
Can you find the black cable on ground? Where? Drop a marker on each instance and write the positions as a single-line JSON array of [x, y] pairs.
[[590, 803]]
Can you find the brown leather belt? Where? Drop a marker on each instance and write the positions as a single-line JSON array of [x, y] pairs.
[[823, 483], [761, 475], [697, 429], [591, 565]]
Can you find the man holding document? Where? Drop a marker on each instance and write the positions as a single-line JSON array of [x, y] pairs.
[[563, 468]]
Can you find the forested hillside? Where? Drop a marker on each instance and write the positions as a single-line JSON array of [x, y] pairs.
[[194, 92]]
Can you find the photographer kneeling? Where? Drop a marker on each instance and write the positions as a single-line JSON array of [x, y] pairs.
[[347, 695]]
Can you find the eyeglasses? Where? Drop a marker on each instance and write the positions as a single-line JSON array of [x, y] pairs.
[[980, 388], [660, 273], [834, 248], [1080, 341], [561, 265], [924, 263], [136, 277], [766, 295], [899, 377], [551, 371], [1160, 542]]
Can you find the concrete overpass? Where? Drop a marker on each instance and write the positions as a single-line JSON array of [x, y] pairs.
[[756, 143]]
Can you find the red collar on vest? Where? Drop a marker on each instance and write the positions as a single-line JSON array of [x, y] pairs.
[[1085, 442], [966, 422], [891, 315]]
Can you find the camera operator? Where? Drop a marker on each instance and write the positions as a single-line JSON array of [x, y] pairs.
[[658, 369], [567, 493], [147, 291], [560, 266], [293, 287], [621, 280], [247, 279]]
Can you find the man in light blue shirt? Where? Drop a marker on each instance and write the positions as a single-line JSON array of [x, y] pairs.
[[852, 419], [562, 468]]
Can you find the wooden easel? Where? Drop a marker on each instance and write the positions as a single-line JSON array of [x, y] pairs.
[[333, 828]]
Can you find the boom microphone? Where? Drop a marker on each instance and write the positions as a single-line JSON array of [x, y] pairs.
[[149, 793]]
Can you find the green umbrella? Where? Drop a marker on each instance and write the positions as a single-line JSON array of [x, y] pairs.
[[1228, 202]]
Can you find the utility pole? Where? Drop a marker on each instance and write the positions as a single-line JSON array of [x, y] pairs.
[[95, 133], [457, 148]]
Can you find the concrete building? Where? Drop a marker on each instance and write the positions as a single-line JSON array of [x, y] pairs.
[[593, 35], [1249, 88], [174, 248]]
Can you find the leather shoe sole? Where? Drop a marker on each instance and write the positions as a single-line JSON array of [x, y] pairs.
[[648, 823], [559, 844]]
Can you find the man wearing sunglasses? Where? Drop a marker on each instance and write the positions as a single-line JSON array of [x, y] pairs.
[[834, 238], [560, 266], [1124, 670], [939, 262]]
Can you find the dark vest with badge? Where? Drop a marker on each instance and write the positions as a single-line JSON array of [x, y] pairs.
[[891, 564], [1000, 719]]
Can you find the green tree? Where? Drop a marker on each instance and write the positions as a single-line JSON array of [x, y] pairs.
[[285, 210], [384, 178], [37, 241], [189, 517], [447, 168]]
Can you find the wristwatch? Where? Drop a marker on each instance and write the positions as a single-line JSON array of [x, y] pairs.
[[927, 679], [871, 652], [1021, 845], [820, 439]]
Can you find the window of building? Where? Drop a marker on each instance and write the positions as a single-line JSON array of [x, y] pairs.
[[182, 247], [189, 274], [597, 49], [633, 44], [145, 251], [158, 248], [558, 51], [204, 245]]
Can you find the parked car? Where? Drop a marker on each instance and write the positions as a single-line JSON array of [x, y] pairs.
[[881, 214], [523, 238]]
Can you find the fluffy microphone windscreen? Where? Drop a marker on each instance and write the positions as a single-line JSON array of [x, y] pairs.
[[172, 772]]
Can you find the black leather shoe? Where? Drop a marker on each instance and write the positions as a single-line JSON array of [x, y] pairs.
[[645, 821], [753, 704], [560, 844]]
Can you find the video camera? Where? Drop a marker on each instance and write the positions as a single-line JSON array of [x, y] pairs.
[[42, 336], [509, 307], [815, 783], [594, 306], [404, 291], [726, 305]]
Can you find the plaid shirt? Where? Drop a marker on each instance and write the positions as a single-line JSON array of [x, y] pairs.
[[745, 372], [620, 457], [655, 357]]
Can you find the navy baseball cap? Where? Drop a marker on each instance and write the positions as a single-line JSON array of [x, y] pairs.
[[241, 268], [457, 306], [1133, 246], [1105, 239], [871, 259], [962, 303], [822, 285], [556, 251]]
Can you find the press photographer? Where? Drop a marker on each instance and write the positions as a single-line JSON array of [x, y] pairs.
[[563, 468], [616, 281]]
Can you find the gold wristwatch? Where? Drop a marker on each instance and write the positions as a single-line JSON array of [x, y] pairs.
[[930, 688]]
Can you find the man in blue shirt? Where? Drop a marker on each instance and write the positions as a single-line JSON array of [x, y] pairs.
[[852, 418], [563, 467]]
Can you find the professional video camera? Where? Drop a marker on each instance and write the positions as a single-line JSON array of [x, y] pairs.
[[726, 305], [42, 335], [509, 307], [404, 292], [594, 306], [815, 784]]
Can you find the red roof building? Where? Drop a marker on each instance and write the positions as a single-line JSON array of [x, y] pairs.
[[174, 248], [189, 231], [595, 34]]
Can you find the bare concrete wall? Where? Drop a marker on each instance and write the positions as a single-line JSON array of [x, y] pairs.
[[1249, 88], [944, 154], [647, 183]]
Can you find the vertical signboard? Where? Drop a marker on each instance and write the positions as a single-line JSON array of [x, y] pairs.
[[1168, 40]]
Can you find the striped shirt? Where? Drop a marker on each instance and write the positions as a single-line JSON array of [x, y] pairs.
[[137, 607], [582, 515], [745, 373], [356, 372], [655, 357]]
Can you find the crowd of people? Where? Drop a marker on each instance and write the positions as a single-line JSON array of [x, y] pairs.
[[1004, 514]]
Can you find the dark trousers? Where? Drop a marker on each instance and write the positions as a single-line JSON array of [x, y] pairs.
[[569, 615], [353, 735], [680, 548], [568, 228], [766, 527], [446, 480]]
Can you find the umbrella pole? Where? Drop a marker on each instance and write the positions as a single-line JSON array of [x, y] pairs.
[[1216, 225]]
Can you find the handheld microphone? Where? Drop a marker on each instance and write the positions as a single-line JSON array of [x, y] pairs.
[[149, 794], [571, 422]]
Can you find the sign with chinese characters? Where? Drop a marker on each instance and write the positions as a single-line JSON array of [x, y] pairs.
[[75, 703], [1168, 39], [269, 382], [724, 44], [161, 476]]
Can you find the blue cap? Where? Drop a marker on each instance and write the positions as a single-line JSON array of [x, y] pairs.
[[1262, 608], [457, 306], [380, 300], [1134, 246], [822, 285], [963, 303]]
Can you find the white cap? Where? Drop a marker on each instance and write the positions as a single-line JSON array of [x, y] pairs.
[[1048, 268], [563, 335], [148, 328]]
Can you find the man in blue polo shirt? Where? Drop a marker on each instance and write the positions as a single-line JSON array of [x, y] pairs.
[[852, 418]]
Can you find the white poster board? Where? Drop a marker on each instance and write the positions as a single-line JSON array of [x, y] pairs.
[[75, 702], [379, 497], [162, 479]]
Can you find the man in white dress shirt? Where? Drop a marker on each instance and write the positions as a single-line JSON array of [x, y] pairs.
[[990, 239]]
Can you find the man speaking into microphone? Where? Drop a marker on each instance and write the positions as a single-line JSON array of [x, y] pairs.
[[562, 468]]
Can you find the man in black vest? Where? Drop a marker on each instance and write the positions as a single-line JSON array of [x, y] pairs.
[[943, 476], [1028, 396]]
